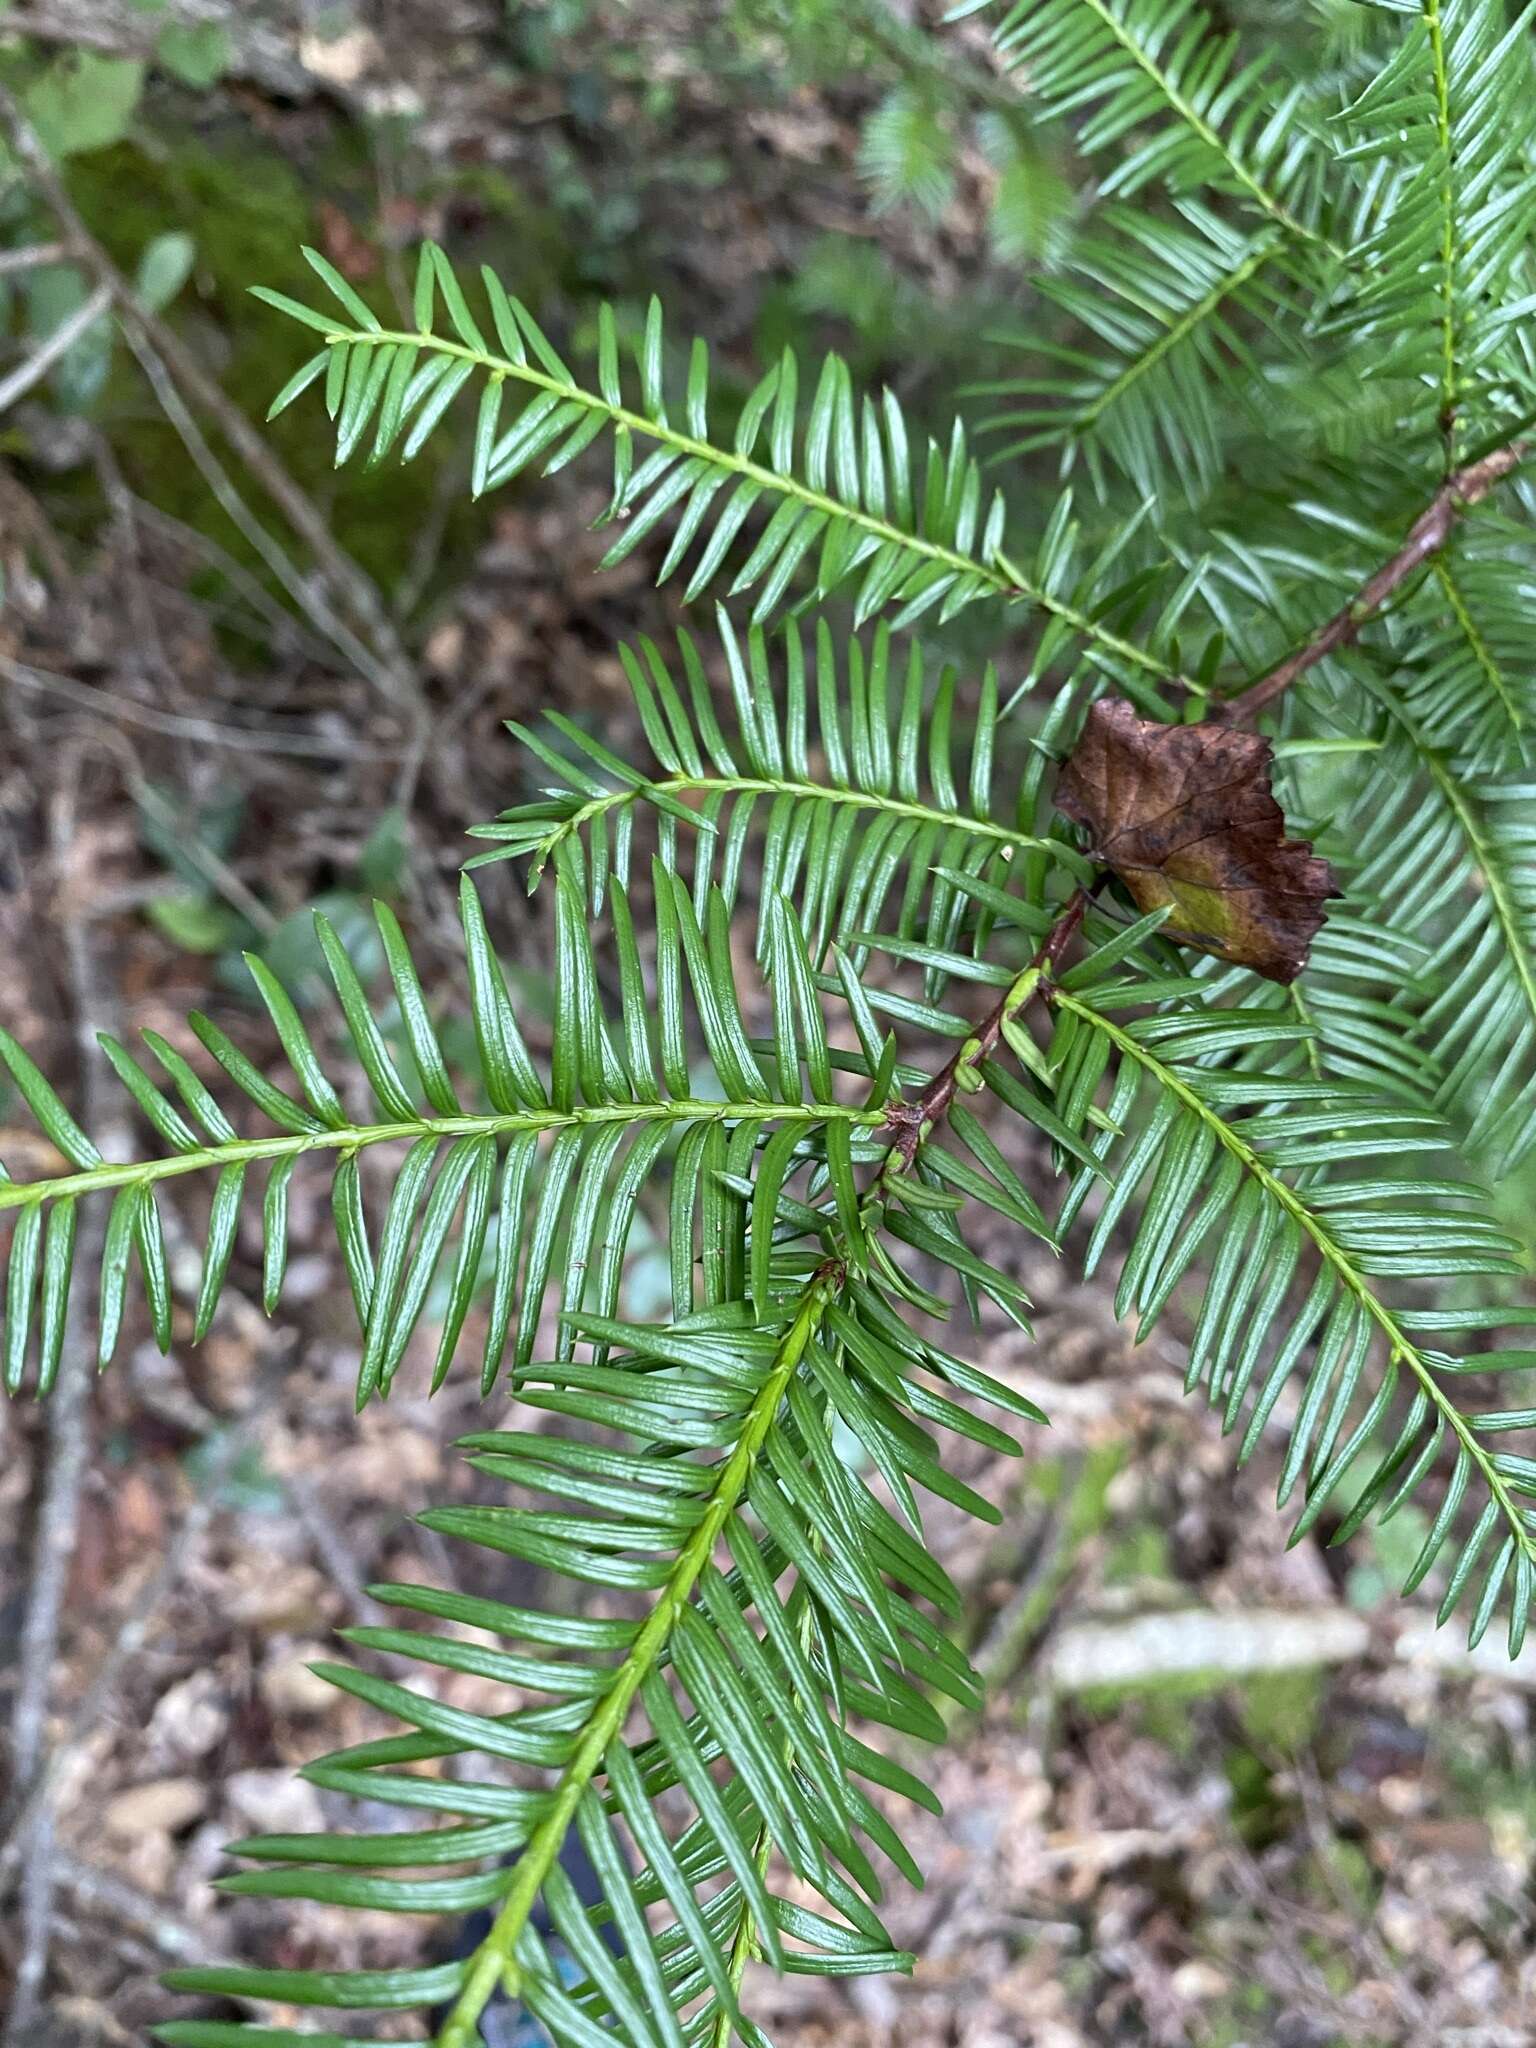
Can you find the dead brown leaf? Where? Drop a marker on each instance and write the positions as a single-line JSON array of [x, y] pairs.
[[1184, 815]]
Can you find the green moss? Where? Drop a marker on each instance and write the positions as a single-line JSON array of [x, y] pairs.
[[1165, 1718], [248, 209], [1280, 1709], [1169, 1686], [1047, 1481], [1142, 1553], [1259, 1814]]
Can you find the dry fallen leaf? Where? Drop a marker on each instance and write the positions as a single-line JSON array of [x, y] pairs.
[[345, 243], [1184, 815]]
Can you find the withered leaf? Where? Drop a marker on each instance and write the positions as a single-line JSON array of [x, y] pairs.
[[1185, 816]]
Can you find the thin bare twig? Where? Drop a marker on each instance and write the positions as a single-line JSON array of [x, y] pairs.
[[289, 632], [391, 666], [331, 1548], [68, 1455], [913, 1121], [247, 524], [169, 1933], [177, 725], [58, 344], [191, 845], [145, 641], [1429, 533], [200, 855], [134, 1628], [33, 257]]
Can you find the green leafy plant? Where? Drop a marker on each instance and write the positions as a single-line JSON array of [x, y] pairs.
[[1294, 383]]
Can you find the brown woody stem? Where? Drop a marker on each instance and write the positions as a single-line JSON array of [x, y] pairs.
[[1428, 535], [914, 1122]]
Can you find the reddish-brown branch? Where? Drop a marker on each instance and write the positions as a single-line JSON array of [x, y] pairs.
[[912, 1121], [1429, 534]]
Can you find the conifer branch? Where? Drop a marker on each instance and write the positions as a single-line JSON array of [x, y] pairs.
[[353, 1138], [1499, 687], [847, 489], [1430, 532], [1184, 104], [1322, 304], [1348, 1269], [1445, 141], [913, 1122], [495, 1961]]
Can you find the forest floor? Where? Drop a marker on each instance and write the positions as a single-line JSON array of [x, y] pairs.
[[1222, 1792]]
